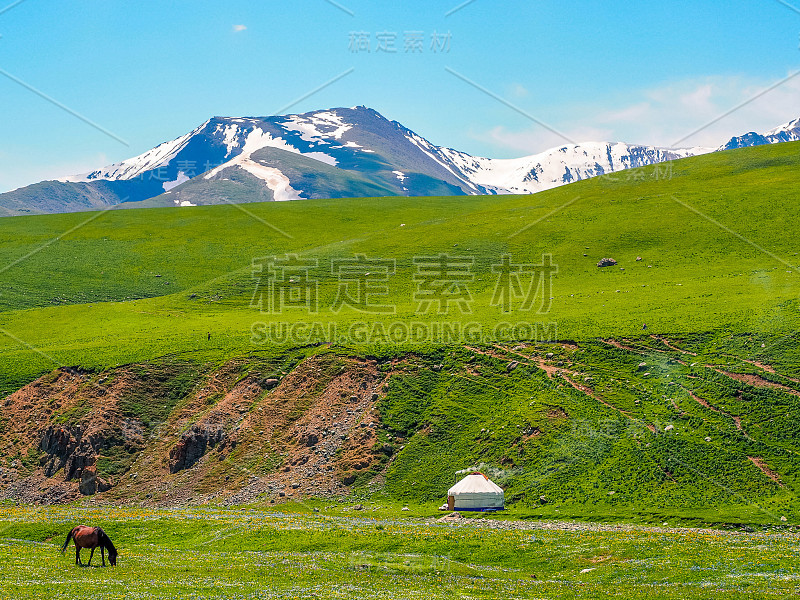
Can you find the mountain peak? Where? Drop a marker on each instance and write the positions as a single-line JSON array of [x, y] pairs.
[[333, 153]]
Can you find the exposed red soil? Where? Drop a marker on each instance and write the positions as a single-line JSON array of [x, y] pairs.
[[643, 350], [764, 367], [235, 437], [736, 420], [75, 413], [622, 346], [672, 346], [567, 375], [759, 462], [755, 380]]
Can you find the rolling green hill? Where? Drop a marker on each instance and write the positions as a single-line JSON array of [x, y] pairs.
[[716, 239], [717, 277]]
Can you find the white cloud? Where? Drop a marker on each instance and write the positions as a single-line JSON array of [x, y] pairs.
[[532, 141], [22, 174], [238, 28], [664, 115], [697, 109], [517, 90]]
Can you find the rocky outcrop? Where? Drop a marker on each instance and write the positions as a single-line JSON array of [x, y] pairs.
[[57, 444], [91, 484], [245, 430], [69, 449], [66, 448], [193, 445]]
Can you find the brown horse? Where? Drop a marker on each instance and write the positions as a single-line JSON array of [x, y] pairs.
[[91, 538]]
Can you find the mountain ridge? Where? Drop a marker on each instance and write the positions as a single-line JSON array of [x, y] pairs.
[[333, 153]]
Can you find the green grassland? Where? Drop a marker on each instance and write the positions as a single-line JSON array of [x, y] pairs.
[[718, 277], [716, 237], [297, 553], [647, 452], [677, 439]]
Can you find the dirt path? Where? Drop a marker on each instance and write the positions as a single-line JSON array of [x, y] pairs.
[[622, 346], [644, 350], [759, 462], [736, 420], [755, 380], [671, 346], [552, 371]]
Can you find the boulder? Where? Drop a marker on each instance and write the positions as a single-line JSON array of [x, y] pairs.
[[88, 484], [454, 516], [607, 262]]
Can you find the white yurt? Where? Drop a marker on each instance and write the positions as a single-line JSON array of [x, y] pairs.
[[475, 492]]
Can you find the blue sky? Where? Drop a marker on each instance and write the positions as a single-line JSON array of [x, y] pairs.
[[146, 72]]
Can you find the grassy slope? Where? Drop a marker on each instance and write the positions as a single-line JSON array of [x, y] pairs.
[[719, 294], [72, 299], [639, 445]]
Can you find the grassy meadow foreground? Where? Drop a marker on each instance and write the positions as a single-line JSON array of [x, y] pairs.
[[297, 553]]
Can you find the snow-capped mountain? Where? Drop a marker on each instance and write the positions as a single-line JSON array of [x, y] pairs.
[[785, 133], [562, 165], [340, 152]]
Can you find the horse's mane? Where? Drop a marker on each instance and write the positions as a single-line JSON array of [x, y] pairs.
[[106, 541]]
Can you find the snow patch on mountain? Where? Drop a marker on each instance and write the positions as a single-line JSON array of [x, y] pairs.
[[182, 178], [319, 127], [785, 133], [276, 181], [790, 132], [128, 169], [230, 134], [431, 150], [258, 139]]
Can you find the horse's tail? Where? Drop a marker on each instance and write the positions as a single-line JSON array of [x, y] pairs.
[[66, 543]]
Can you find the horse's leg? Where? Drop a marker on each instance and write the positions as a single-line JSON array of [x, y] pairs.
[[77, 555], [91, 554]]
